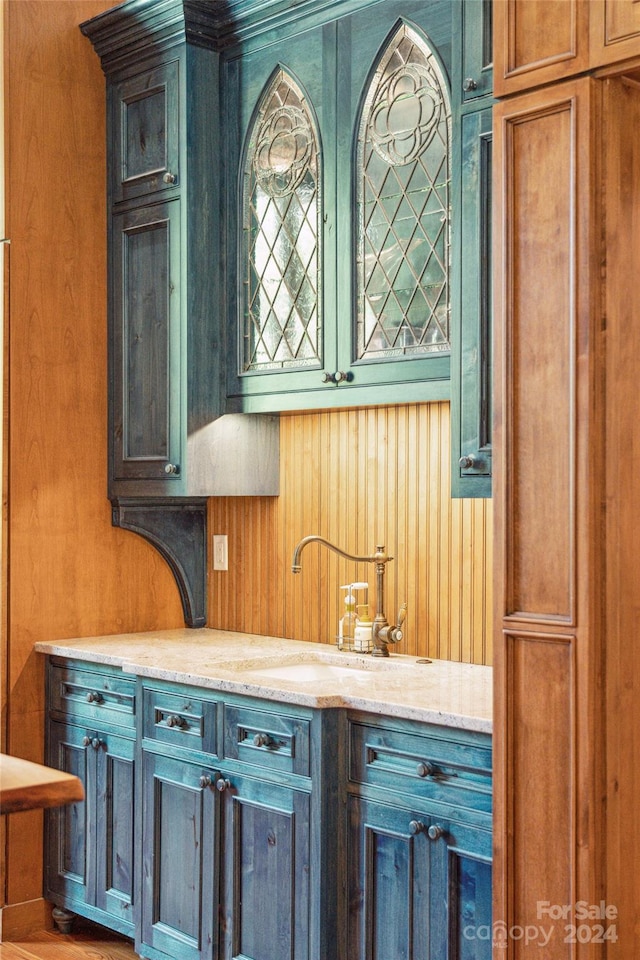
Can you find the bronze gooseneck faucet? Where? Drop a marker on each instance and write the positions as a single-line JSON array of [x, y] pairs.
[[383, 634]]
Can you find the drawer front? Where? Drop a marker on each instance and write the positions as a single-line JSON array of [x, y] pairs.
[[450, 771], [186, 721], [94, 697], [267, 739]]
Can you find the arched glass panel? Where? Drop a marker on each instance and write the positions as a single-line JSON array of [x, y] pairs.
[[403, 209], [281, 237]]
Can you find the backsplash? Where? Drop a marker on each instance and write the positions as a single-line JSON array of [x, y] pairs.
[[360, 478]]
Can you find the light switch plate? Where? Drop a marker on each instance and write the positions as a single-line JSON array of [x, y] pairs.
[[220, 552]]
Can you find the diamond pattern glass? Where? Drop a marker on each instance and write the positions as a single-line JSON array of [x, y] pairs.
[[403, 205], [281, 240]]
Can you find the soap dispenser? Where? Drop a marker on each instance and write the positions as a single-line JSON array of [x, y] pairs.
[[363, 633], [347, 625]]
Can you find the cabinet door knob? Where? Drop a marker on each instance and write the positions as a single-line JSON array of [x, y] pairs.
[[222, 785], [416, 826], [86, 741], [169, 177], [435, 831], [424, 769], [469, 84], [94, 697], [467, 462], [205, 781], [96, 743], [262, 740], [338, 377], [172, 469]]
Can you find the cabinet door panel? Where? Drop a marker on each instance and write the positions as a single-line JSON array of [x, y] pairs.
[[470, 907], [68, 828], [389, 237], [389, 865], [179, 839], [146, 344], [471, 374], [539, 42], [145, 127], [275, 268], [265, 872], [115, 829], [477, 53]]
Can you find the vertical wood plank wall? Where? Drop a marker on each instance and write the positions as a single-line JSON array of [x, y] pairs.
[[70, 572], [360, 478]]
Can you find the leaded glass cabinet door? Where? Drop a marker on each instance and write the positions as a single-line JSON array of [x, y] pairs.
[[398, 271], [338, 213], [278, 238], [282, 236]]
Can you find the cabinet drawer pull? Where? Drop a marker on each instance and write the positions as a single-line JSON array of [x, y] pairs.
[[424, 769], [205, 781], [263, 740], [94, 697], [173, 720], [222, 785]]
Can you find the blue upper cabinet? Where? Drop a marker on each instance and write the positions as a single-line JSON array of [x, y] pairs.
[[471, 287], [299, 196], [338, 178], [476, 54]]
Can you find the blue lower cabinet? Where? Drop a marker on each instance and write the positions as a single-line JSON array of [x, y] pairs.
[[392, 873], [225, 865], [218, 827], [418, 889], [266, 872], [180, 821], [89, 847]]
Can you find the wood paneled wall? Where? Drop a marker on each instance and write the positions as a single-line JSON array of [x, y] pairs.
[[360, 478], [70, 572], [622, 704]]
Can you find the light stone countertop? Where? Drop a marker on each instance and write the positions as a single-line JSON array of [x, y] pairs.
[[438, 691]]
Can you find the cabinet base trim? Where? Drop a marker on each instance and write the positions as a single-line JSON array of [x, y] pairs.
[[18, 920]]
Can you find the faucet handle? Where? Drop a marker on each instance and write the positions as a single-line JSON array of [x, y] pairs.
[[402, 613], [396, 633]]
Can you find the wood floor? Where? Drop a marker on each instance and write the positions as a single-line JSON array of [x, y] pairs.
[[87, 942]]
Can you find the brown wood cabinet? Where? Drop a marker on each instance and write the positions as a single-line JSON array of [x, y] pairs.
[[543, 41], [538, 41], [549, 490], [567, 491]]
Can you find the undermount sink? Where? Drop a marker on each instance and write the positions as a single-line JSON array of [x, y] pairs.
[[317, 667], [308, 672]]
